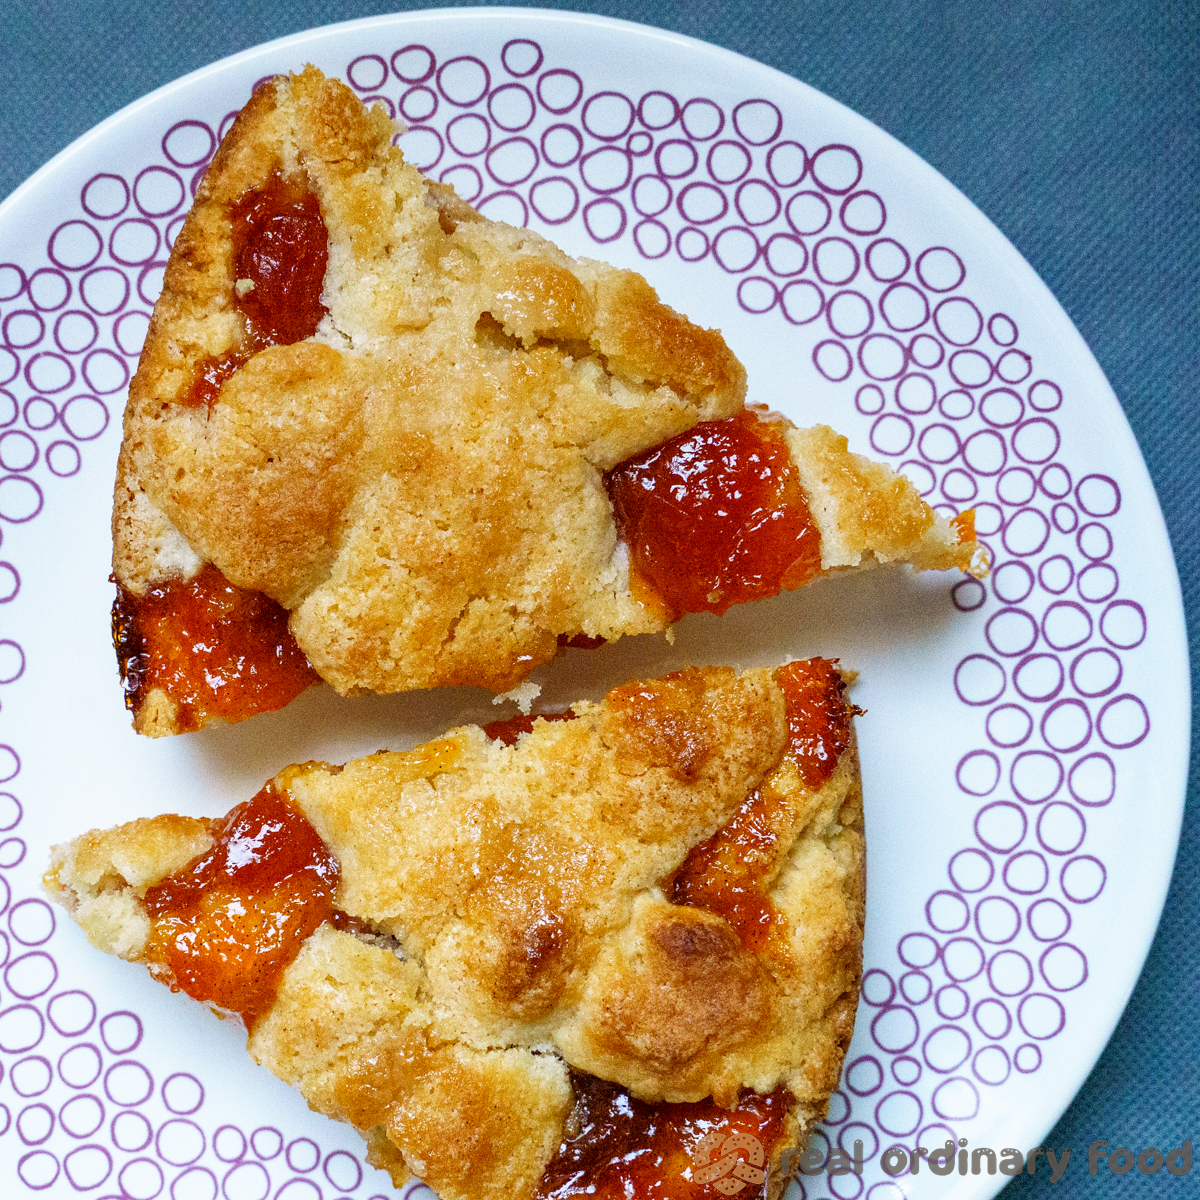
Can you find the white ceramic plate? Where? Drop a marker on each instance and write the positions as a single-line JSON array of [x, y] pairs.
[[1025, 747]]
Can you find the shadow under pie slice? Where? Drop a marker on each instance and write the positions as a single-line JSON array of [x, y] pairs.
[[379, 440], [615, 953]]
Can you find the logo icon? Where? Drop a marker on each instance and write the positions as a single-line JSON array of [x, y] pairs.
[[729, 1173]]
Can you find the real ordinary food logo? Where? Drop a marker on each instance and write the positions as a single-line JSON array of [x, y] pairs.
[[951, 1158], [729, 1173]]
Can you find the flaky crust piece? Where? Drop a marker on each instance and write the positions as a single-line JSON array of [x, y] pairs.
[[517, 902]]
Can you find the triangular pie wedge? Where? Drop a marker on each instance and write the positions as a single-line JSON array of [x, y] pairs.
[[369, 420], [511, 955]]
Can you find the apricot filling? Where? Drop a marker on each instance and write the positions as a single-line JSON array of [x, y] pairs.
[[511, 728], [215, 649], [715, 516], [224, 928], [818, 717], [280, 252], [622, 1147]]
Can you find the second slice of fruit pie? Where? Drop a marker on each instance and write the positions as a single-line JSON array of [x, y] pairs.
[[590, 955], [379, 440]]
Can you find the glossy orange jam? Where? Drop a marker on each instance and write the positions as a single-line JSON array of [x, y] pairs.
[[728, 874], [215, 649], [281, 246], [715, 517], [626, 1148], [964, 526], [511, 728], [211, 373], [666, 716], [224, 928], [580, 641], [818, 717], [725, 874]]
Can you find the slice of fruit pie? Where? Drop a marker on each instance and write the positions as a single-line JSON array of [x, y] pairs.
[[379, 440], [616, 953]]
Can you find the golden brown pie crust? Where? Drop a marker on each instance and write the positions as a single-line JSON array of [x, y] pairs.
[[421, 482], [515, 923]]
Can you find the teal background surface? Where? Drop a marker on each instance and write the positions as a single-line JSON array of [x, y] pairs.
[[1074, 125]]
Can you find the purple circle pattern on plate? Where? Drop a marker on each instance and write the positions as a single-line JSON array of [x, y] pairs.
[[982, 986]]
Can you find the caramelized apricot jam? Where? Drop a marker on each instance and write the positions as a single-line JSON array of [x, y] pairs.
[[280, 252], [215, 649], [715, 516], [580, 641], [224, 928], [726, 874], [664, 716], [624, 1147], [818, 717], [511, 728], [964, 526], [730, 873]]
